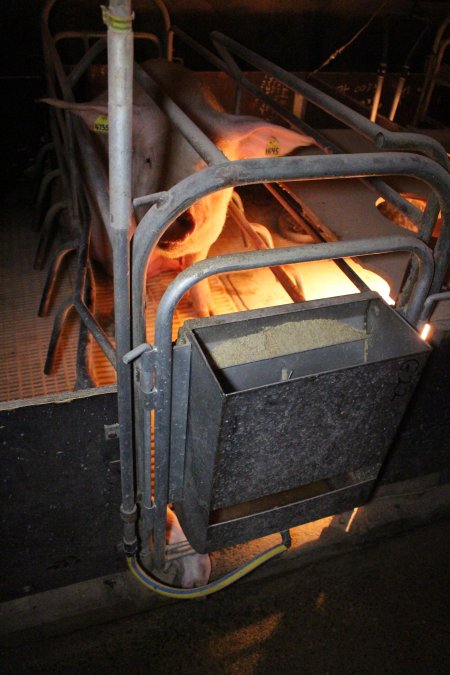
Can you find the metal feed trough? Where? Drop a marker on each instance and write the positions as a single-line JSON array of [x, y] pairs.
[[268, 418], [290, 413]]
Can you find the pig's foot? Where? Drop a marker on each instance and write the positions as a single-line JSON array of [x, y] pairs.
[[201, 299], [192, 570], [159, 263], [200, 294]]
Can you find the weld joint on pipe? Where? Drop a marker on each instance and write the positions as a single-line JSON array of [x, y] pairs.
[[128, 516], [380, 140]]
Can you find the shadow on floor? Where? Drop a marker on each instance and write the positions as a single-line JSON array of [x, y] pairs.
[[381, 609]]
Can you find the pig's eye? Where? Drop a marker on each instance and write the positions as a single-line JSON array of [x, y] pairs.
[[148, 161]]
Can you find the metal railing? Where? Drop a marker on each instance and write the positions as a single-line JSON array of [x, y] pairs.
[[143, 388]]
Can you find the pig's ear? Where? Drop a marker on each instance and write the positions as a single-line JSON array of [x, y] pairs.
[[255, 138], [95, 115]]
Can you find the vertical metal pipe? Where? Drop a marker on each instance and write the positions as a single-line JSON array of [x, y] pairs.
[[379, 89], [398, 92], [120, 101]]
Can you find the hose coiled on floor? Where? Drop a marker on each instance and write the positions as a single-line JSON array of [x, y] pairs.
[[190, 593]]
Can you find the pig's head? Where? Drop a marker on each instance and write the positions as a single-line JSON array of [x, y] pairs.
[[150, 133], [161, 158], [238, 138]]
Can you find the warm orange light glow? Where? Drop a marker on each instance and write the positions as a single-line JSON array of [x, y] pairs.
[[425, 331], [351, 519], [390, 212], [324, 279]]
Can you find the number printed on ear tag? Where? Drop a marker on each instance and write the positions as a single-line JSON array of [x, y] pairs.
[[272, 147], [101, 124]]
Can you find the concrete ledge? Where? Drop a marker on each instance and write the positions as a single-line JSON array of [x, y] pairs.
[[394, 510]]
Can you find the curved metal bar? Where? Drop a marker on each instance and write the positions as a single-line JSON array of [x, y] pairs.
[[383, 138], [429, 305], [167, 27], [181, 196], [245, 172], [239, 261], [46, 232], [286, 256], [86, 60], [340, 111], [229, 66]]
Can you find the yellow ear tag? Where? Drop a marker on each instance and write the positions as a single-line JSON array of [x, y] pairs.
[[272, 147], [101, 124]]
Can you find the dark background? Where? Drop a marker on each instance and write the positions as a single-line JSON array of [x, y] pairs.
[[296, 35]]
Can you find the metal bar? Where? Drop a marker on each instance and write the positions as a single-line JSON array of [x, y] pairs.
[[429, 305], [95, 50], [120, 100], [38, 172], [212, 155], [43, 189], [377, 95], [96, 330], [277, 192], [280, 274], [242, 172], [432, 66], [197, 139], [46, 232], [398, 92], [58, 324], [86, 61], [180, 403], [96, 34], [399, 202], [290, 207], [167, 25], [383, 138], [240, 261], [229, 65], [286, 256], [65, 149], [199, 48], [379, 186], [68, 248]]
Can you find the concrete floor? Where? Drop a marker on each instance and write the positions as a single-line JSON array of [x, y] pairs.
[[378, 609]]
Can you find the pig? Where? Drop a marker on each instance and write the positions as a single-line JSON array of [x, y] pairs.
[[193, 570], [162, 157]]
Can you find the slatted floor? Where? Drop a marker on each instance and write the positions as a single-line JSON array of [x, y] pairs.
[[25, 336]]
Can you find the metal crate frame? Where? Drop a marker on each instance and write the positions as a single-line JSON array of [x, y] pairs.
[[148, 385]]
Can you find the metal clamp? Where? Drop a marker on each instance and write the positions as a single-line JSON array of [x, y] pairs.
[[144, 373]]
